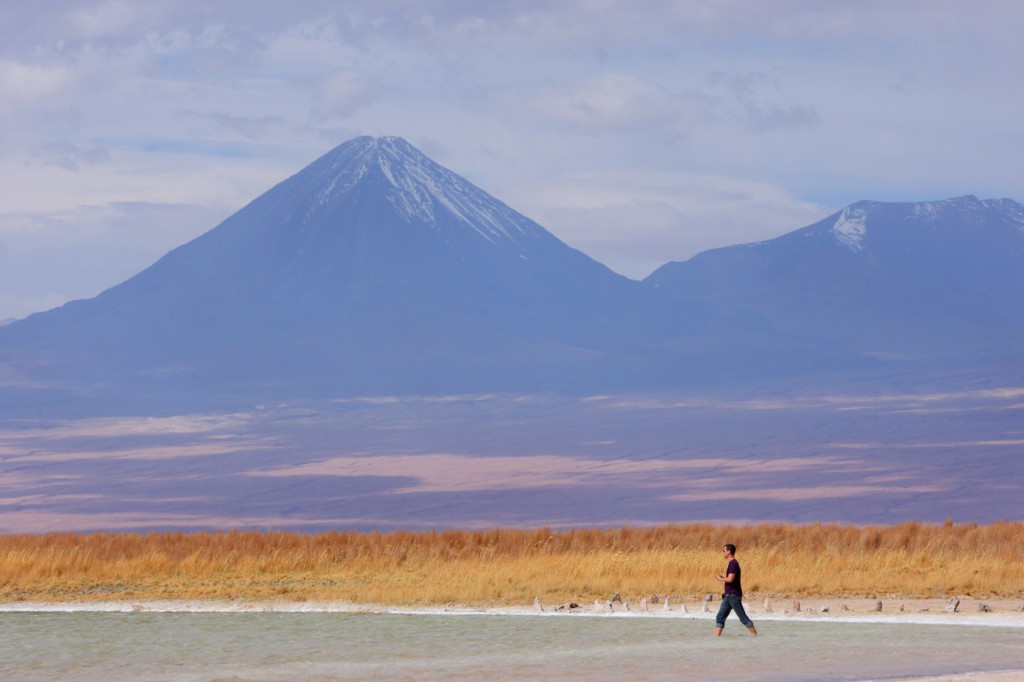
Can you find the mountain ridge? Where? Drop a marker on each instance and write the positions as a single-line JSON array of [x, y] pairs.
[[375, 270], [876, 277]]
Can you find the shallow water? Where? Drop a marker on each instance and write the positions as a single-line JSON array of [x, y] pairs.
[[344, 646]]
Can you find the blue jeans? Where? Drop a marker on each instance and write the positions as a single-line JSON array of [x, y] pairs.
[[730, 603]]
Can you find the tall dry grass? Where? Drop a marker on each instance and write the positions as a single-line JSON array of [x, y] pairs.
[[506, 566]]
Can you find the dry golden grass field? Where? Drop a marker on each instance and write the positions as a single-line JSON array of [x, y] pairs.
[[511, 567]]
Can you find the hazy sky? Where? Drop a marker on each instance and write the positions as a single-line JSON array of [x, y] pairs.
[[638, 132]]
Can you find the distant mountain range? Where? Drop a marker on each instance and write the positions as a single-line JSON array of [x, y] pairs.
[[900, 280], [376, 271]]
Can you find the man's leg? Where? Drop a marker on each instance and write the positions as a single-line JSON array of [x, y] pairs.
[[741, 613], [723, 613]]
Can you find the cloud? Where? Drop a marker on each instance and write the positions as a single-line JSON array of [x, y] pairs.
[[761, 119], [760, 102], [610, 102], [20, 81], [636, 221], [105, 19], [250, 127], [339, 96], [72, 157]]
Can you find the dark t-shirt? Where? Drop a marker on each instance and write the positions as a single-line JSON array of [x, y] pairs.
[[734, 587]]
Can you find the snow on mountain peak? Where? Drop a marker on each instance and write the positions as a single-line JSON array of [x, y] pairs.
[[927, 210], [851, 227], [1013, 211], [423, 187], [933, 210], [420, 188]]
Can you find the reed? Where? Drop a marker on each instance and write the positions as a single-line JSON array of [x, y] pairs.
[[509, 566]]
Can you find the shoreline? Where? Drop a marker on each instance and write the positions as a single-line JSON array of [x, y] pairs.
[[1002, 613], [917, 612]]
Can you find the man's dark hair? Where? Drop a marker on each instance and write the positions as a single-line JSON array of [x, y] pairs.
[[731, 548]]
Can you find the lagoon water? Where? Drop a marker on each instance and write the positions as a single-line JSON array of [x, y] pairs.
[[351, 646]]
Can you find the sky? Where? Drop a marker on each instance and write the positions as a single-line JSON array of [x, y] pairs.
[[638, 132]]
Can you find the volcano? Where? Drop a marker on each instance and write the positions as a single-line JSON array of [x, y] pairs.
[[372, 270]]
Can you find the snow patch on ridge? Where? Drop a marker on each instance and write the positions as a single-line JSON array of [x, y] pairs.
[[331, 188], [851, 227], [424, 186], [1013, 211], [926, 210]]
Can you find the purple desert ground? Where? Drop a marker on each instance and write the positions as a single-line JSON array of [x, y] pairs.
[[525, 461]]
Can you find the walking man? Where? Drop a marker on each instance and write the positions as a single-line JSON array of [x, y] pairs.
[[733, 593]]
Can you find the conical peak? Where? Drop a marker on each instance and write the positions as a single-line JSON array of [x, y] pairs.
[[371, 149], [395, 147], [344, 166], [362, 153], [416, 187]]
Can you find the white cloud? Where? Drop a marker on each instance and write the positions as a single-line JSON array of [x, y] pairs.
[[615, 102], [20, 81], [339, 96], [72, 157], [759, 102], [635, 222], [249, 127], [105, 19], [762, 119]]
